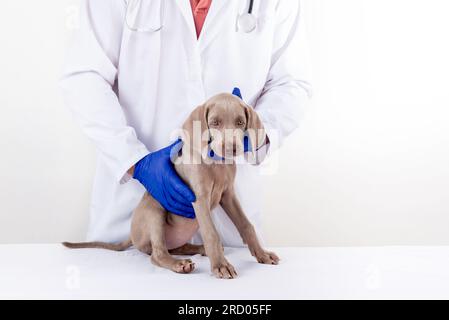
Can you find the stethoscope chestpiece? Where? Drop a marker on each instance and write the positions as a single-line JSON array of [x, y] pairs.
[[247, 22]]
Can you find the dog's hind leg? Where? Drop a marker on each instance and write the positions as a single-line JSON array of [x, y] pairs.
[[148, 233]]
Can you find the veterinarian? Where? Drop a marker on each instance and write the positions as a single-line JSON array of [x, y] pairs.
[[136, 69]]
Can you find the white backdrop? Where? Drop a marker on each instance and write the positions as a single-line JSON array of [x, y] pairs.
[[369, 166]]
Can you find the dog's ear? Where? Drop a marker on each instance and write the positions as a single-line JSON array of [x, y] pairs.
[[196, 129], [255, 130]]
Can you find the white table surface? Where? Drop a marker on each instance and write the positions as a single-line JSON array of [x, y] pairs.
[[53, 272]]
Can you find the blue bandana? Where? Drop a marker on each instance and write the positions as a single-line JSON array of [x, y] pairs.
[[236, 92]]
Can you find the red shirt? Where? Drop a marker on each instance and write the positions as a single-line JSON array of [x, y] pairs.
[[200, 8]]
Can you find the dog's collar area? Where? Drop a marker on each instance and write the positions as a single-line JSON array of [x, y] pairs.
[[247, 147], [177, 152], [211, 154]]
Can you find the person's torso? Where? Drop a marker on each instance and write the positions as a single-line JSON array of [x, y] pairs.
[[164, 75]]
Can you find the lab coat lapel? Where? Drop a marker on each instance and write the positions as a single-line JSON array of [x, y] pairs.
[[186, 10], [213, 23]]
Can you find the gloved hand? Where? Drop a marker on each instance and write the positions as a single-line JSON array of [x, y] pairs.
[[246, 144], [157, 174]]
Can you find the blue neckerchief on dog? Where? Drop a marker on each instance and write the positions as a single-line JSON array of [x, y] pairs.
[[211, 154], [246, 145], [236, 92]]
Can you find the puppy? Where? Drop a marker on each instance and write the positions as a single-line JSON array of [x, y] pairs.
[[213, 136]]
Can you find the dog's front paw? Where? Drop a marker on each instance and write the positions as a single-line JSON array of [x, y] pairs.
[[183, 266], [224, 270], [267, 257]]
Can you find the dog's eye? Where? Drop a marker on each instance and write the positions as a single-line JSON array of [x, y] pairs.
[[214, 123], [240, 123]]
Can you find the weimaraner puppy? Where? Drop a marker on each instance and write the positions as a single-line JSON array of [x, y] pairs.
[[161, 234]]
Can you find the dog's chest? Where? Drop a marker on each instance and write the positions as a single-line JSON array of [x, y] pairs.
[[211, 180], [222, 176]]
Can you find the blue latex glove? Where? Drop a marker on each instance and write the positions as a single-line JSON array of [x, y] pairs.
[[246, 144], [157, 174]]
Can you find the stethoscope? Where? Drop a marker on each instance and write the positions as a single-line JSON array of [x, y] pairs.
[[246, 22]]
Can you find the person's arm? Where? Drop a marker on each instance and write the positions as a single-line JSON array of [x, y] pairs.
[[87, 84], [287, 89]]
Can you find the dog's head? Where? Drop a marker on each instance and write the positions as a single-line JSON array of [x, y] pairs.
[[221, 125]]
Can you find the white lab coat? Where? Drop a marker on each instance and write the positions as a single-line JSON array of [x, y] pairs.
[[130, 90]]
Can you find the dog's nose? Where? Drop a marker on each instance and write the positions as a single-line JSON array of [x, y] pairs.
[[234, 150], [231, 150]]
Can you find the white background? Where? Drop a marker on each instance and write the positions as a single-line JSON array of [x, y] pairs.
[[369, 165]]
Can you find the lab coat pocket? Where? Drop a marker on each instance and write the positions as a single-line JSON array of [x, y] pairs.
[[145, 16]]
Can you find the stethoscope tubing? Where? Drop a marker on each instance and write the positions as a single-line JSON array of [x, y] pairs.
[[251, 5]]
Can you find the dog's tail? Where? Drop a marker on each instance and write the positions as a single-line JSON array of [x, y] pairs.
[[101, 245]]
